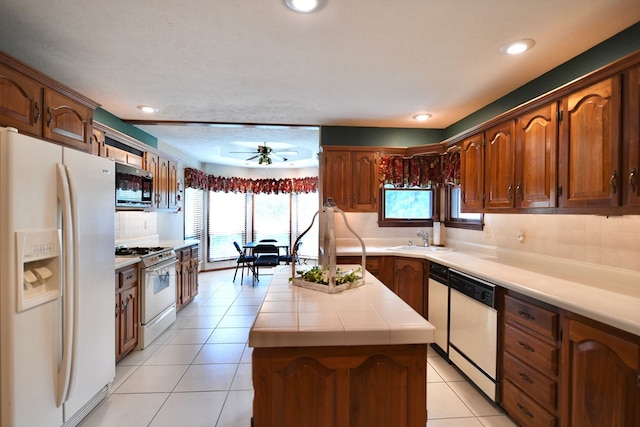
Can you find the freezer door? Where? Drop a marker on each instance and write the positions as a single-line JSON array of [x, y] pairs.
[[29, 353], [92, 182]]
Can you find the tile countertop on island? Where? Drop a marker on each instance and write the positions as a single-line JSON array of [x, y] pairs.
[[608, 295], [371, 314]]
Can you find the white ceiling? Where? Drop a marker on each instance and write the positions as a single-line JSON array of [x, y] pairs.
[[354, 63]]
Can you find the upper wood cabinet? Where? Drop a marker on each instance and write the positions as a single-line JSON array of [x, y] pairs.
[[590, 174], [165, 180], [472, 173], [350, 178], [499, 158], [536, 158], [631, 138], [39, 106]]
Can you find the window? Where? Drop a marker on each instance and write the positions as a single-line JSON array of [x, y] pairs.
[[193, 216], [406, 207], [456, 219], [227, 223], [305, 206], [272, 217]]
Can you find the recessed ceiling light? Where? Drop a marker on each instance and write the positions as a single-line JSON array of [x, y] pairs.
[[517, 47], [304, 6], [422, 117], [147, 109]]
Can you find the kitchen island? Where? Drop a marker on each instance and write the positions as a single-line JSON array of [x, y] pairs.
[[355, 358]]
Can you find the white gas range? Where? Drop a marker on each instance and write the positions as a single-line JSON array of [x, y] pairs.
[[157, 285]]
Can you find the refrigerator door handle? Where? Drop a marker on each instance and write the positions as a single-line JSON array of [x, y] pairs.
[[64, 370]]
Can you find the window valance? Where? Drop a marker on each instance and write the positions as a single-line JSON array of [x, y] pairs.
[[420, 171], [194, 178]]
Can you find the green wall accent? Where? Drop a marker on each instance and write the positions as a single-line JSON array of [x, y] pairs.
[[108, 119], [610, 50], [378, 137]]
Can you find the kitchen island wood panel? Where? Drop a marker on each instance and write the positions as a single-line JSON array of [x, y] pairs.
[[356, 358]]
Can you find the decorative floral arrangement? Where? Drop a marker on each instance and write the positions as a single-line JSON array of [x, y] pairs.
[[321, 275]]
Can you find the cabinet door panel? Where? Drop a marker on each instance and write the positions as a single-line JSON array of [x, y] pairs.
[[590, 146], [602, 373], [364, 182], [472, 173], [337, 178], [66, 121], [536, 158], [500, 166], [409, 282], [129, 319], [631, 186], [20, 102]]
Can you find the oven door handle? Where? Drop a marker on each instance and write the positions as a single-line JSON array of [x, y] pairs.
[[161, 266]]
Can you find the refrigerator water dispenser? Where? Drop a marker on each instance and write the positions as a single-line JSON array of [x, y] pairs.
[[38, 268]]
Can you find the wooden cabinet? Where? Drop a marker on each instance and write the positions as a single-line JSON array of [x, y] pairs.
[[380, 266], [601, 375], [631, 137], [472, 173], [530, 362], [165, 180], [589, 163], [340, 386], [499, 166], [350, 178], [409, 282], [536, 158], [126, 311], [39, 106], [102, 149], [186, 275]]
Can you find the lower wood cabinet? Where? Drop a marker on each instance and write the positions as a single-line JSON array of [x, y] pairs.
[[186, 275], [409, 282], [561, 369], [380, 266], [380, 385], [602, 375], [126, 310]]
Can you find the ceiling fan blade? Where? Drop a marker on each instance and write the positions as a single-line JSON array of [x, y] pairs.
[[241, 152], [284, 159], [285, 152], [254, 157]]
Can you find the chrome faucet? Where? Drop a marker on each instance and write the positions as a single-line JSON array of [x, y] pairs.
[[425, 237]]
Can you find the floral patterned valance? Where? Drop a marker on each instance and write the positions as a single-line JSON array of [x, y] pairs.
[[420, 171], [194, 178]]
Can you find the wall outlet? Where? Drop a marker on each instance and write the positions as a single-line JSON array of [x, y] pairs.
[[487, 231]]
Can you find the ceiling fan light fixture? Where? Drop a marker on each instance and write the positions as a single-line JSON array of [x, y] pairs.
[[517, 47], [304, 6]]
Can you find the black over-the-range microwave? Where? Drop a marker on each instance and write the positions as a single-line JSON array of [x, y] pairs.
[[134, 187]]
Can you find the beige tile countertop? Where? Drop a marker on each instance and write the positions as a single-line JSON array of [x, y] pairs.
[[371, 314], [605, 294]]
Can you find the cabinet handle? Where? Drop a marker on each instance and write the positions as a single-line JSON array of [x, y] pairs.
[[525, 411], [36, 116], [49, 117], [117, 310], [632, 180], [510, 191], [527, 347], [614, 182], [525, 377], [526, 315], [519, 192], [122, 307]]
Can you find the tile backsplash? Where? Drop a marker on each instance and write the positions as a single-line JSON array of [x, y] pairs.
[[610, 241], [133, 224]]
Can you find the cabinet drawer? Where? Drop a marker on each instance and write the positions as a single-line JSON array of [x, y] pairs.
[[533, 351], [186, 254], [128, 278], [538, 319], [540, 388], [194, 252], [524, 409]]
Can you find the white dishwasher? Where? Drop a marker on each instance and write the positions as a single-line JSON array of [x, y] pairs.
[[438, 313], [473, 330]]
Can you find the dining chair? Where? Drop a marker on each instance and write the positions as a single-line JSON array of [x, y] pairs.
[[243, 260], [287, 259], [266, 256]]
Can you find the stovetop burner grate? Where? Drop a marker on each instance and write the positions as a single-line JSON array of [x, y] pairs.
[[136, 250]]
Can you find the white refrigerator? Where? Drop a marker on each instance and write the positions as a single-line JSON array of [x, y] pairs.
[[57, 327]]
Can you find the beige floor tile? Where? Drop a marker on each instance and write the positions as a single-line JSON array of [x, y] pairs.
[[153, 379], [237, 409], [455, 422], [497, 421], [216, 377], [131, 410], [445, 370], [475, 401], [190, 336], [171, 354], [190, 410], [219, 353], [229, 336], [442, 402], [432, 375], [202, 322], [240, 321], [242, 379]]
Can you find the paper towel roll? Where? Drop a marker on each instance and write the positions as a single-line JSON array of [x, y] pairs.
[[436, 233]]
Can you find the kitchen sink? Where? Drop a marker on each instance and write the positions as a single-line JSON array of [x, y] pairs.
[[420, 249]]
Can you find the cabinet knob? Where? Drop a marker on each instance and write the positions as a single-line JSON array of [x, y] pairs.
[[519, 191], [510, 191], [49, 117], [526, 347], [614, 182]]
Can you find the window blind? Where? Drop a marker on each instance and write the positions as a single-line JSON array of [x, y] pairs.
[[227, 223], [194, 217]]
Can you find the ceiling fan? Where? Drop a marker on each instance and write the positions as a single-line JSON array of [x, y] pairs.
[[264, 153]]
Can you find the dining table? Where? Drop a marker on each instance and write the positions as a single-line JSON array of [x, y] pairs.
[[279, 245]]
